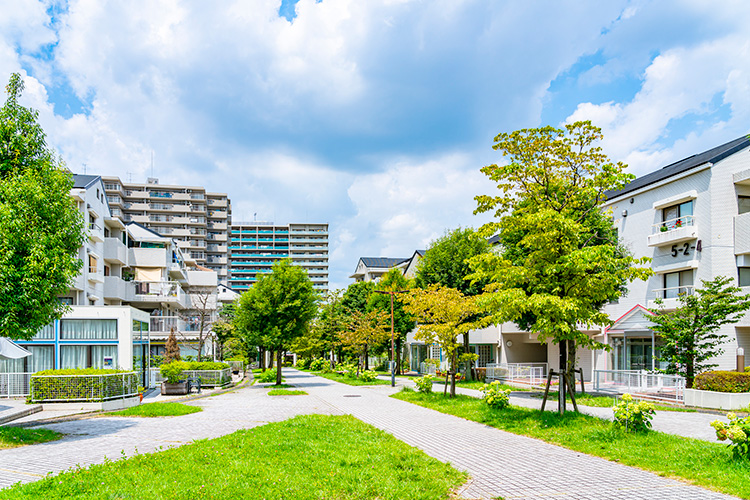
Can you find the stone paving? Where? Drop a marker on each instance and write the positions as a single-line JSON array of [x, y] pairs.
[[500, 463]]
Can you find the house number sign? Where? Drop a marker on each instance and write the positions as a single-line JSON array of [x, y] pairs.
[[684, 249]]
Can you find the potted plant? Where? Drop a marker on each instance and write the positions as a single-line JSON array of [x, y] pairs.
[[173, 383]]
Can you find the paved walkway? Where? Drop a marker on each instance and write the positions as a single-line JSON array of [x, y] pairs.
[[500, 463]]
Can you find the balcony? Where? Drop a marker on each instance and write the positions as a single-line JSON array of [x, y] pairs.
[[115, 251], [118, 289], [673, 231], [96, 233], [95, 274], [160, 292], [669, 297]]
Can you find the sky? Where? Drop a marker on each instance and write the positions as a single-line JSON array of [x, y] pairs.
[[375, 116]]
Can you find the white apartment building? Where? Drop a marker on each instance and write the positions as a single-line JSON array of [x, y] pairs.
[[255, 246], [197, 220]]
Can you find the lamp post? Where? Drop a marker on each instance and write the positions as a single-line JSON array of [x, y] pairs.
[[393, 351]]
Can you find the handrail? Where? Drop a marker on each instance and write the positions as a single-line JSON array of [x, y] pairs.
[[676, 223]]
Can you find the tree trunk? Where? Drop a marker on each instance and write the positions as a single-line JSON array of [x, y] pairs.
[[469, 375], [454, 365], [278, 367], [271, 359], [262, 355], [367, 361], [563, 369], [689, 371], [397, 356]]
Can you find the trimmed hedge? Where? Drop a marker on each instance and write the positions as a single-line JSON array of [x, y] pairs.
[[78, 386], [81, 371], [723, 381]]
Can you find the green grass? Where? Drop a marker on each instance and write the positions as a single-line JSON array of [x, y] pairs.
[[700, 462], [351, 381], [609, 401], [157, 410], [308, 457], [286, 392], [12, 437]]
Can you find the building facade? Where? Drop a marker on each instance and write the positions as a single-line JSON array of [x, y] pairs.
[[255, 246]]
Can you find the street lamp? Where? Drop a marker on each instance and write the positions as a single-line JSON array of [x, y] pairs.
[[393, 351]]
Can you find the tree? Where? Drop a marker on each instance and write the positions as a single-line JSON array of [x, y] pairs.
[[223, 328], [365, 330], [442, 316], [323, 334], [41, 230], [172, 350], [357, 296], [446, 262], [691, 332], [560, 258], [278, 308], [403, 322], [201, 316]]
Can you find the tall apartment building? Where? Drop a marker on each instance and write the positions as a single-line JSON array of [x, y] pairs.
[[255, 246], [198, 221]]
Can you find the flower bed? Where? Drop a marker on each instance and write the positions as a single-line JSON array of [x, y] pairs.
[[88, 385]]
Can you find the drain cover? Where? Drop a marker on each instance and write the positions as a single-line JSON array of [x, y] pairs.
[[352, 395]]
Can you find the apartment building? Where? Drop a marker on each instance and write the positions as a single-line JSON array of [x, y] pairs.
[[255, 246], [197, 220]]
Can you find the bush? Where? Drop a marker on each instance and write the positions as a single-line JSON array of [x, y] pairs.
[[302, 363], [348, 369], [172, 372], [368, 376], [736, 431], [424, 384], [267, 376], [318, 364], [88, 385], [723, 381], [81, 371], [207, 365], [494, 396], [633, 416]]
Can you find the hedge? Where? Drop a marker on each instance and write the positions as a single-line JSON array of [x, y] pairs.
[[723, 381], [77, 386], [81, 371]]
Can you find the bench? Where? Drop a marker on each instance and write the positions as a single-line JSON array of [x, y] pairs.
[[194, 382]]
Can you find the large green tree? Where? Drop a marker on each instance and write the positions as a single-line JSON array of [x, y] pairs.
[[323, 334], [446, 262], [691, 332], [41, 230], [277, 309], [560, 259], [403, 322]]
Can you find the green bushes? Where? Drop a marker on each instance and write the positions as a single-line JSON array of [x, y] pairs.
[[89, 385], [302, 364], [633, 416], [368, 376], [175, 371], [736, 431], [267, 376], [723, 381], [318, 364], [172, 372], [424, 384], [495, 396]]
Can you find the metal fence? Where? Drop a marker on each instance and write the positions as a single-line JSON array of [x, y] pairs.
[[425, 368], [238, 366], [209, 378], [14, 385], [641, 384], [522, 373], [63, 388]]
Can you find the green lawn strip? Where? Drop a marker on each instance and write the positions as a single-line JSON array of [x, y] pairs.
[[156, 410], [609, 401], [286, 392], [700, 462], [350, 381], [12, 437], [307, 457]]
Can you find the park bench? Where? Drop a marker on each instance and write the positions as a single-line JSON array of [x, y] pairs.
[[194, 382]]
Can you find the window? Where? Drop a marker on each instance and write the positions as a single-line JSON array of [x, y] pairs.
[[88, 329], [47, 332], [744, 275], [678, 283], [743, 204], [678, 215], [87, 356]]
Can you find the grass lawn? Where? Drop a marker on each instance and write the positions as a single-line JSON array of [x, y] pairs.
[[286, 392], [156, 410], [609, 401], [307, 457], [350, 381], [12, 437], [700, 462]]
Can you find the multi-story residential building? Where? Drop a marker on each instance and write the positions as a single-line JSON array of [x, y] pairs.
[[198, 221], [255, 246]]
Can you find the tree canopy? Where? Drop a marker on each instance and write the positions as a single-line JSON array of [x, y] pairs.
[[41, 230], [277, 309], [691, 332], [403, 322]]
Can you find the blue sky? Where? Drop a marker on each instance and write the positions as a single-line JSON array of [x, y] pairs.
[[372, 116]]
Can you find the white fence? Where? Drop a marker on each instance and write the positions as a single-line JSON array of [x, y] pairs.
[[523, 373], [209, 378], [425, 368], [14, 385], [641, 384]]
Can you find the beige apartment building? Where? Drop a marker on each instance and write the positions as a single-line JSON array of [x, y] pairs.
[[197, 220]]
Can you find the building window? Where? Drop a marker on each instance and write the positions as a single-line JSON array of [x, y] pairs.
[[87, 356], [88, 329], [678, 283], [678, 215], [743, 204], [744, 276]]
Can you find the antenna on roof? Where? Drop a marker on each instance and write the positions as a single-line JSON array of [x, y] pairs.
[[152, 163], [84, 168], [130, 177]]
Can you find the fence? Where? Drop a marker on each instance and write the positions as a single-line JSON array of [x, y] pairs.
[[425, 368], [63, 388], [13, 385], [641, 384], [522, 373], [209, 378], [236, 366]]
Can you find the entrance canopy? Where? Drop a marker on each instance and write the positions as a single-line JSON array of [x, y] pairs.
[[10, 350]]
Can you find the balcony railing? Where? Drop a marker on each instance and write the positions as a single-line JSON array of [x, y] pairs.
[[668, 225], [673, 292]]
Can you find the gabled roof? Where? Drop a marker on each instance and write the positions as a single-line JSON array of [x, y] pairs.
[[141, 233], [382, 262], [493, 240], [83, 181], [634, 311], [711, 156]]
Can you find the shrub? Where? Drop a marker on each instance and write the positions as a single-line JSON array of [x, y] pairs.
[[736, 431], [81, 371], [317, 364], [424, 384], [172, 372], [267, 376], [89, 385], [494, 396], [632, 415], [368, 376], [302, 363], [747, 369], [723, 381], [348, 369], [206, 365]]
